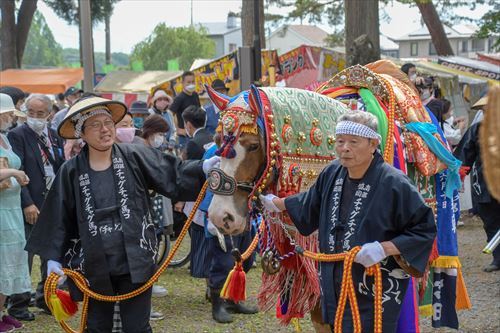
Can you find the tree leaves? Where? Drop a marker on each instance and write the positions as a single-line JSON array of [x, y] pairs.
[[184, 43], [41, 48], [68, 10]]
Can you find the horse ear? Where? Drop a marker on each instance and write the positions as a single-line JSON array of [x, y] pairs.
[[220, 100], [255, 101]]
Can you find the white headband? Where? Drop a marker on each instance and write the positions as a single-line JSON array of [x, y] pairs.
[[346, 127], [79, 119]]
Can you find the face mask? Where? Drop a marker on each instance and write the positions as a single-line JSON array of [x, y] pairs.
[[190, 88], [157, 141], [413, 77], [138, 122], [125, 134], [425, 95], [37, 125], [5, 125], [161, 105]]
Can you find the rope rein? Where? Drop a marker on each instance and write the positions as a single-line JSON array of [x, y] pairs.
[[347, 289]]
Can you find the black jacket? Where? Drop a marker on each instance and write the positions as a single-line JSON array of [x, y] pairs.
[[195, 147], [24, 142], [69, 229]]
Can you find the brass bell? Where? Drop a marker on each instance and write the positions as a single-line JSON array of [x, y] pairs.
[[270, 263]]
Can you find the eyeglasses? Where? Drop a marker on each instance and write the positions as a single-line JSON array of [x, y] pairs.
[[97, 126]]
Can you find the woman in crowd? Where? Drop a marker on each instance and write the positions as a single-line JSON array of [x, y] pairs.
[[160, 103], [14, 274], [126, 132]]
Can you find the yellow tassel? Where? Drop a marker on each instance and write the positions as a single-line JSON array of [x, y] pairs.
[[425, 310], [57, 308], [250, 129], [224, 290], [296, 324], [446, 262]]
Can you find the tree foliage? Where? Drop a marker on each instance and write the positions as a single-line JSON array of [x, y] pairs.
[[490, 25], [41, 48], [184, 43], [332, 13], [69, 11]]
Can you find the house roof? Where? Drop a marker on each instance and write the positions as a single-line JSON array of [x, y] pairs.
[[218, 28], [458, 31], [137, 82], [313, 34], [387, 44]]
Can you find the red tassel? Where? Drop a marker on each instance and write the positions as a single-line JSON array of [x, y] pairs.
[[235, 286], [70, 306]]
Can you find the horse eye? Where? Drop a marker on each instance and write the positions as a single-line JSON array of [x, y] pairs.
[[253, 147]]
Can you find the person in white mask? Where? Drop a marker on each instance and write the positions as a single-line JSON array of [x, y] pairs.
[[410, 70], [153, 131], [186, 98], [41, 152]]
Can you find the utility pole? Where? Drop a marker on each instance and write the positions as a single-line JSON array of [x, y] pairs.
[[191, 12], [87, 49], [256, 41]]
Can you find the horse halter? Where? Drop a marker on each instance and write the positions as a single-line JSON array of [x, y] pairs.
[[222, 184]]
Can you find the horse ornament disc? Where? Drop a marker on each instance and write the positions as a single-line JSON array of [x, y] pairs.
[[270, 263]]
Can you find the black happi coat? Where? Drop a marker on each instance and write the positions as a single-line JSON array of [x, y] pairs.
[[469, 152], [68, 229], [385, 207]]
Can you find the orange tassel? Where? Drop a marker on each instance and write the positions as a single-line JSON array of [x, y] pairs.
[[235, 286]]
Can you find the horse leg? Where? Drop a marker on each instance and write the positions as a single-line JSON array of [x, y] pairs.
[[317, 320]]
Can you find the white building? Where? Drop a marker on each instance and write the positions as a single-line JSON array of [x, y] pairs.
[[288, 37], [226, 35], [419, 44]]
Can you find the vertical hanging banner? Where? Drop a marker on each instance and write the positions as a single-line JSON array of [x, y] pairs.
[[306, 67]]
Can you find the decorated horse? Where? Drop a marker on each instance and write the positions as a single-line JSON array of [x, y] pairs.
[[279, 139], [274, 139]]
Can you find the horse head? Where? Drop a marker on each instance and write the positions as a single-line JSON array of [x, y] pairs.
[[241, 145]]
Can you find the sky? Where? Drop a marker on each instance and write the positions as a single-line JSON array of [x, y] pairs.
[[134, 20]]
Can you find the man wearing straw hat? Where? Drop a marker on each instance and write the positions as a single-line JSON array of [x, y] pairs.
[[96, 218]]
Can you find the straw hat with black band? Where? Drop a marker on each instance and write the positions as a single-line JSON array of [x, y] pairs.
[[72, 125]]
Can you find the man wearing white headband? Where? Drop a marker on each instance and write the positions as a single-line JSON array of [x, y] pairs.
[[96, 217], [359, 200]]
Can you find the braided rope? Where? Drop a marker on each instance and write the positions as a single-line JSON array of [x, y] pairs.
[[348, 292], [82, 284]]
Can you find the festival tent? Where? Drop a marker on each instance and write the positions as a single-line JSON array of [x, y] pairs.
[[129, 86], [225, 68], [480, 68], [42, 81]]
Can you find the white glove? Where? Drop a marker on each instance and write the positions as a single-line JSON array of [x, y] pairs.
[[267, 202], [56, 267], [370, 254], [212, 162]]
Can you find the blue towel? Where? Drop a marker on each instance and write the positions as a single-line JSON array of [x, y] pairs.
[[426, 131]]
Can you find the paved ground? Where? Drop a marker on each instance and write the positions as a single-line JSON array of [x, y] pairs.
[[187, 311]]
